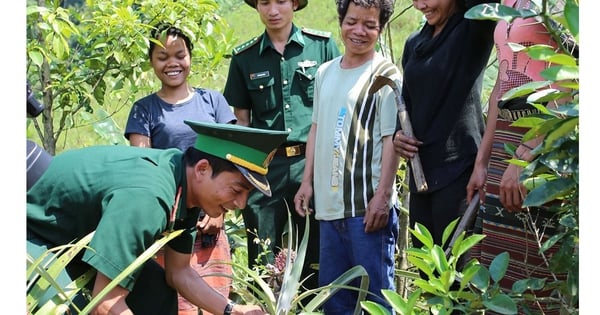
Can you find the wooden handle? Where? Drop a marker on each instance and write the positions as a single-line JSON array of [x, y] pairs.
[[415, 161], [465, 222]]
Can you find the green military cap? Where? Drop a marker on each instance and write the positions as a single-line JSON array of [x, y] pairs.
[[249, 149], [301, 4]]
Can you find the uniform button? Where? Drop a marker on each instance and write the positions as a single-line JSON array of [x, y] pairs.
[[310, 76], [289, 129], [285, 81], [287, 106], [282, 59], [261, 86]]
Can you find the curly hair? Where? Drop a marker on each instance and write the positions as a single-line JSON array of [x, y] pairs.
[[166, 30], [386, 8]]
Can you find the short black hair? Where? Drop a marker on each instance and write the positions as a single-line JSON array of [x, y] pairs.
[[193, 155], [386, 9], [166, 29]]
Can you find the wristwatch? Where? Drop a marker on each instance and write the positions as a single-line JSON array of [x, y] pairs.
[[228, 308]]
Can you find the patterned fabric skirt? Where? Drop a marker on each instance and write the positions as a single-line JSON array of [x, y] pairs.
[[207, 261], [521, 234]]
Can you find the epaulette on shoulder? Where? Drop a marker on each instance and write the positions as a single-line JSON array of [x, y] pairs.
[[246, 45], [316, 32]]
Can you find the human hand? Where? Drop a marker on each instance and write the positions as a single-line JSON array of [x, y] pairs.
[[239, 309], [378, 212], [477, 183], [209, 225], [301, 199], [405, 146], [512, 193]]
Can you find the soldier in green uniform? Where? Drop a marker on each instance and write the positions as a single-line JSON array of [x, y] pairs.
[[129, 196], [270, 86]]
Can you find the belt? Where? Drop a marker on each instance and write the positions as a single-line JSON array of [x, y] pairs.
[[291, 150]]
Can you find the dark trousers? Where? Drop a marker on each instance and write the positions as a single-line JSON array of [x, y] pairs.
[[435, 210]]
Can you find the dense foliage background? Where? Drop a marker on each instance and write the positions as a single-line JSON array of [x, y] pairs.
[[90, 105], [97, 53]]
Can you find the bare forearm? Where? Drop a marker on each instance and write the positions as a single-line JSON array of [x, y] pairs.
[[138, 140], [389, 167], [485, 148], [310, 154], [243, 116], [191, 286], [113, 303]]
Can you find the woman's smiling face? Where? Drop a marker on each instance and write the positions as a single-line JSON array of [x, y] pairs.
[[171, 63], [436, 12]]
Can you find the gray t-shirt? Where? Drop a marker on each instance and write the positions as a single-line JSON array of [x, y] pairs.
[[163, 122]]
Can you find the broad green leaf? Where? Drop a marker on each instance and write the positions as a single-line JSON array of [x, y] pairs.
[[468, 274], [447, 278], [572, 17], [549, 191], [492, 11], [525, 89], [423, 235], [454, 249], [481, 279], [571, 84], [374, 308], [57, 47], [548, 53], [399, 304], [565, 161], [546, 96], [439, 285], [36, 57], [421, 265], [498, 266], [569, 221], [568, 109], [467, 244], [502, 304], [425, 286], [35, 10], [448, 231], [439, 258], [558, 73], [522, 285], [563, 129]]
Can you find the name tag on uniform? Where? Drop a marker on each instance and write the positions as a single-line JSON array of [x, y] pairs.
[[259, 75], [307, 63]]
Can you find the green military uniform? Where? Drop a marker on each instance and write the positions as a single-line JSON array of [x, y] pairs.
[[123, 194], [126, 195], [278, 91]]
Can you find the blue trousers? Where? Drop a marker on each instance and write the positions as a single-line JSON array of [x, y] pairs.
[[344, 244]]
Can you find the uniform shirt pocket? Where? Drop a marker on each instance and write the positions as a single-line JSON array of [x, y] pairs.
[[262, 92], [304, 84]]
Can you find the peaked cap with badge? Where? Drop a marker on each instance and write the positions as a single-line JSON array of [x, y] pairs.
[[249, 149], [301, 4]]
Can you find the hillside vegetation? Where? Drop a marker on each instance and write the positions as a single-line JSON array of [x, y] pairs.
[[318, 14]]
